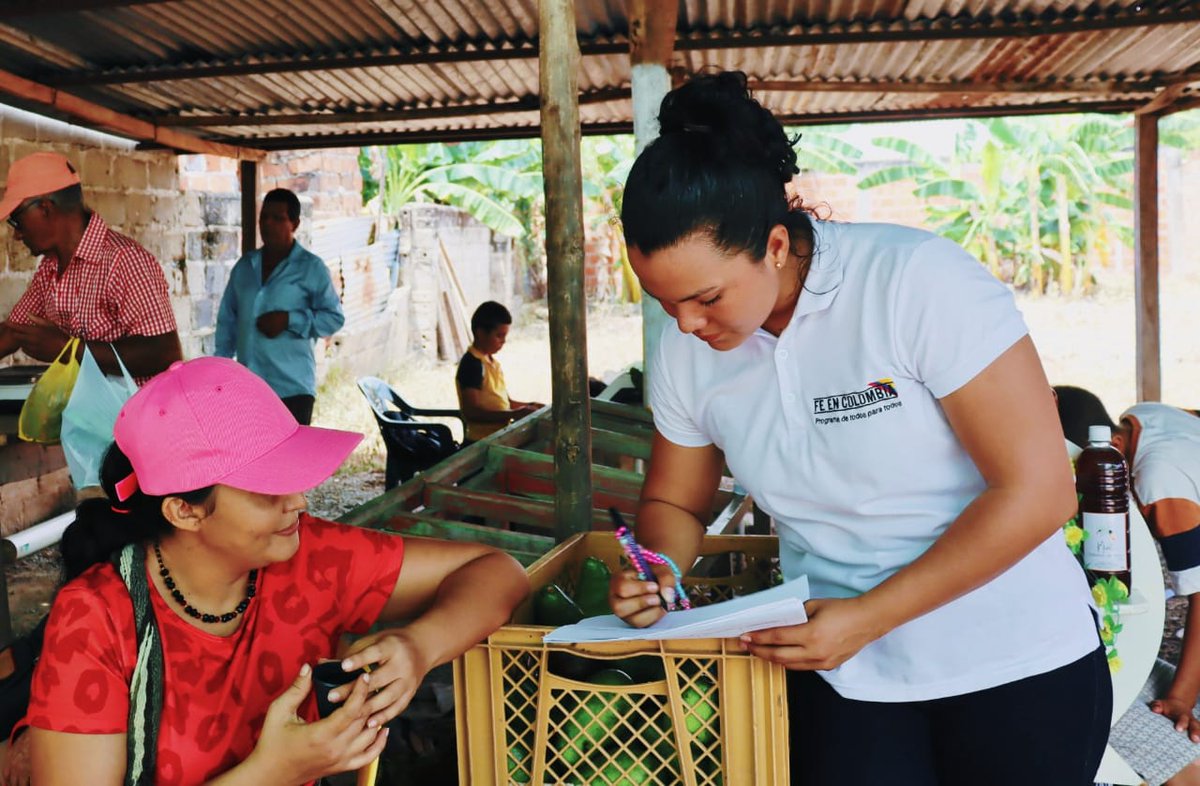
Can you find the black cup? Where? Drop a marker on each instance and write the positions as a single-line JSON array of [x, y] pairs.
[[326, 677]]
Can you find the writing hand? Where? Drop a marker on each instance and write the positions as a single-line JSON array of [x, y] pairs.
[[639, 602]]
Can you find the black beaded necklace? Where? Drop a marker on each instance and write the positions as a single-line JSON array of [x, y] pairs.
[[192, 611]]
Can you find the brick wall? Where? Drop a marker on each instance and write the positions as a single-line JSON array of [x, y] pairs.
[[485, 264], [330, 178]]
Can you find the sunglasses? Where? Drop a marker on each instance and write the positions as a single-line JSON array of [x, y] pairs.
[[14, 219]]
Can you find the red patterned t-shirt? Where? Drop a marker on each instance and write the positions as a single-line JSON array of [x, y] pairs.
[[217, 688]]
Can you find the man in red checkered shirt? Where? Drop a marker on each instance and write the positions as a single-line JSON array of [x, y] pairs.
[[92, 283]]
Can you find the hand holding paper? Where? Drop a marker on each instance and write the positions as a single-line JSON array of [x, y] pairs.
[[836, 630], [771, 608]]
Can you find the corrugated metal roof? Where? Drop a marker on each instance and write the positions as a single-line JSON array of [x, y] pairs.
[[280, 73]]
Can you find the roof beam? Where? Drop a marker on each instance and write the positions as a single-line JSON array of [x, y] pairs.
[[1192, 102], [1169, 95], [37, 47], [363, 139], [18, 8], [1086, 87], [941, 29], [415, 113], [315, 141], [952, 112], [394, 114], [99, 117], [796, 35]]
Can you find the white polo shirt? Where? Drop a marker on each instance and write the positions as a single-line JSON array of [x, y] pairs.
[[1166, 465], [836, 431]]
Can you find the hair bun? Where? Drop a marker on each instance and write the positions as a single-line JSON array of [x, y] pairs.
[[717, 116]]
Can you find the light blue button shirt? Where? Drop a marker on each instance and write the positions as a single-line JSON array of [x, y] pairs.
[[299, 285]]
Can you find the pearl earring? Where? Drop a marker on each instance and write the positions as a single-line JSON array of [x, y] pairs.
[[778, 265]]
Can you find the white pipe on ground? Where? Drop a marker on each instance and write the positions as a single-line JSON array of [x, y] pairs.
[[35, 538]]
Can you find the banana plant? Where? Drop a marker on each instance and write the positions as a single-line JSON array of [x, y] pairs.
[[975, 213], [821, 149], [1034, 193], [473, 177]]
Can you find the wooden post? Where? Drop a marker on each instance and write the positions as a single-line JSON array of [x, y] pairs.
[[1145, 221], [651, 42], [558, 62], [248, 173]]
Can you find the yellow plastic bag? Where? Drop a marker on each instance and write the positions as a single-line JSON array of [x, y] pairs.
[[41, 417]]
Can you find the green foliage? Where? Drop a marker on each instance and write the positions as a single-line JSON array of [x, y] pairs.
[[500, 183], [821, 149], [1181, 130], [1030, 197], [366, 168], [488, 180]]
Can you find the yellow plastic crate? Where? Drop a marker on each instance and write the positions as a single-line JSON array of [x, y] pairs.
[[719, 718]]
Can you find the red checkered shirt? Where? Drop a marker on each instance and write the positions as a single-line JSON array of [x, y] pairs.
[[112, 288]]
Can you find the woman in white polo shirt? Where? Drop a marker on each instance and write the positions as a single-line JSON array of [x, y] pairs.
[[875, 390]]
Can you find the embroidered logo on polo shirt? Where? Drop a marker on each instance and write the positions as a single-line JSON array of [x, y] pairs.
[[878, 396]]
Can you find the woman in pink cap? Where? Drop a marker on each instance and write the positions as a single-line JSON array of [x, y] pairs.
[[181, 651]]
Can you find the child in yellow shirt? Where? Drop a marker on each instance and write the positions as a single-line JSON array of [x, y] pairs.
[[482, 394]]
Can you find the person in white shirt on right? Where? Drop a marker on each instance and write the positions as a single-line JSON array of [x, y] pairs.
[[1161, 445], [852, 377]]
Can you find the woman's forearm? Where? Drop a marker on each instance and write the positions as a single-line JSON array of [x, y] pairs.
[[998, 529], [470, 604], [671, 530]]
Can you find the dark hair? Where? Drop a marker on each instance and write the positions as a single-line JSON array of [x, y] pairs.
[[104, 525], [719, 166], [489, 316], [1078, 409], [286, 197]]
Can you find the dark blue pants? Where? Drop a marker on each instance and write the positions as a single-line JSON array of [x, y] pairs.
[[1045, 730]]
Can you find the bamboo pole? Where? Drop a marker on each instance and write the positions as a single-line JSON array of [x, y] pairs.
[[558, 61], [1145, 258]]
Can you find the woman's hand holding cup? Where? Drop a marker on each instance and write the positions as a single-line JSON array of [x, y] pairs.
[[290, 750]]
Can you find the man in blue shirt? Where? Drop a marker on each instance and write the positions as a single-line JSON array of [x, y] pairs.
[[278, 302]]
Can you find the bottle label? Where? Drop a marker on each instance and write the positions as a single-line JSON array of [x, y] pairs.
[[1106, 545]]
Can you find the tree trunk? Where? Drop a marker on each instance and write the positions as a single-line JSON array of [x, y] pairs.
[[559, 66]]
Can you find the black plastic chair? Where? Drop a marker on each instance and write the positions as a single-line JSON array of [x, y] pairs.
[[412, 445]]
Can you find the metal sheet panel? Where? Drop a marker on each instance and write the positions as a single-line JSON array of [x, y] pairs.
[[455, 44]]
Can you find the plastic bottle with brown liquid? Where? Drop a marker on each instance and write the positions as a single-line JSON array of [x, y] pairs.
[[1102, 481]]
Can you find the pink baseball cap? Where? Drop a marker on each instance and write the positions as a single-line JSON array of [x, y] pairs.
[[211, 420], [36, 174]]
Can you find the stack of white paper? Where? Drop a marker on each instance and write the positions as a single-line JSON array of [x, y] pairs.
[[771, 608]]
